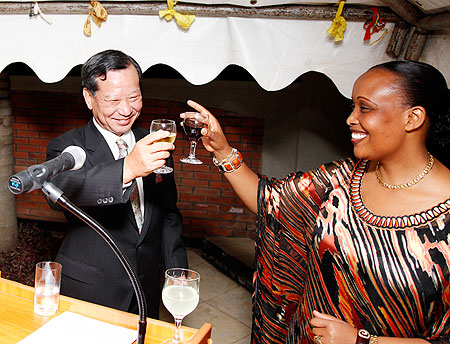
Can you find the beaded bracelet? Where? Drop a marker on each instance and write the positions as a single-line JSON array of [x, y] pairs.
[[230, 166], [373, 339]]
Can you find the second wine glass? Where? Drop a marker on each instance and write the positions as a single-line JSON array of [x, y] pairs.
[[170, 126], [193, 123], [180, 296]]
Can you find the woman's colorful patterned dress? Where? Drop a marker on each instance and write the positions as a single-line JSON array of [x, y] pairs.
[[319, 248]]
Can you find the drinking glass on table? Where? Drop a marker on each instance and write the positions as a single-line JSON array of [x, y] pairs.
[[193, 123], [167, 125], [180, 296], [47, 282]]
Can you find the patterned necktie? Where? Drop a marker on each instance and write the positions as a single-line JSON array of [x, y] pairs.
[[134, 198]]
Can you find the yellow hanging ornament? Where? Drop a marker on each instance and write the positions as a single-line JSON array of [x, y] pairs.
[[183, 20], [339, 24], [98, 14]]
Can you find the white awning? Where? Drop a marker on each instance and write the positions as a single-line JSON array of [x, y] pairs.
[[274, 51]]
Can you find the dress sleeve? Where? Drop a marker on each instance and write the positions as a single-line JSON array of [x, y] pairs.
[[440, 332], [287, 210]]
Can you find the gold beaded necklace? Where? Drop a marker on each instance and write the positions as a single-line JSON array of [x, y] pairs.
[[408, 184]]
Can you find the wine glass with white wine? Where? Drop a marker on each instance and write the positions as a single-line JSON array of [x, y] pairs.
[[170, 126], [180, 296]]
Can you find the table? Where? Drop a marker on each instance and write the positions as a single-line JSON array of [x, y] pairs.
[[17, 319]]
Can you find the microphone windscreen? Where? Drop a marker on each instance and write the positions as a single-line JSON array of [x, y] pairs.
[[78, 154]]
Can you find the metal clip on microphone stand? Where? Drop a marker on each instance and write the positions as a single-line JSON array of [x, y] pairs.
[[56, 195]]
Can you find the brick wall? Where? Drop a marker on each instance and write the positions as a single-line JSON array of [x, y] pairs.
[[208, 203]]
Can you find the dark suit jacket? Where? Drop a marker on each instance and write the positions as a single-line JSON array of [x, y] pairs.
[[91, 271]]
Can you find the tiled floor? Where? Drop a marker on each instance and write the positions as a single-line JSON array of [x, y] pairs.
[[223, 303]]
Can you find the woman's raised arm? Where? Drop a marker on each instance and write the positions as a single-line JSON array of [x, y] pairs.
[[243, 180]]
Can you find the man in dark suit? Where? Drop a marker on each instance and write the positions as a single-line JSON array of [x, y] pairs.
[[106, 186]]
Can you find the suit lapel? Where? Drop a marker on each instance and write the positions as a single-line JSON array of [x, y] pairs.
[[148, 205], [148, 181], [98, 149], [98, 152]]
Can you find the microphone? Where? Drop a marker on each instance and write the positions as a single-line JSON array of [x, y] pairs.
[[37, 176], [71, 158]]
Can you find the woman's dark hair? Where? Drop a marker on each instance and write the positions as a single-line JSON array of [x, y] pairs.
[[423, 85], [101, 63]]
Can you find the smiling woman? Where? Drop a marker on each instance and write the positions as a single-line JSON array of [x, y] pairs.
[[337, 251], [378, 115]]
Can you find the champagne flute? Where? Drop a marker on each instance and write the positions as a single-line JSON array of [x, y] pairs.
[[193, 123], [168, 125], [180, 296]]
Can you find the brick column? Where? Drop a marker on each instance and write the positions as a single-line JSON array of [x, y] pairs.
[[8, 220]]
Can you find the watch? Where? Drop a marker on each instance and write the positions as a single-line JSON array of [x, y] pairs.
[[363, 337]]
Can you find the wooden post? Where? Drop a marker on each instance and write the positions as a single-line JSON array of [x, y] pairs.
[[416, 45], [8, 219], [397, 41]]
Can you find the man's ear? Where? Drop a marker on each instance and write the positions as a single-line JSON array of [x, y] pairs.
[[416, 118], [88, 98]]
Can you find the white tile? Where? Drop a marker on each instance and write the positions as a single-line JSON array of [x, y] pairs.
[[245, 340], [212, 282], [237, 303], [225, 329], [194, 258]]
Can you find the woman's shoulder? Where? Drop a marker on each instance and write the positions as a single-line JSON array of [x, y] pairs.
[[324, 172], [345, 163], [439, 187], [342, 167]]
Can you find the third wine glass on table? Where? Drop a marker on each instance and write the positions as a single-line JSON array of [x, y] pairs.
[[180, 296], [193, 123], [167, 125]]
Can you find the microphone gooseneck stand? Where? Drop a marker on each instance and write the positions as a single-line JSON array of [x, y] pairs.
[[56, 195]]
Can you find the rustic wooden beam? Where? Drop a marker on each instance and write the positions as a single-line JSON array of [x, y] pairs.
[[434, 22], [419, 37], [405, 10], [350, 13], [415, 17]]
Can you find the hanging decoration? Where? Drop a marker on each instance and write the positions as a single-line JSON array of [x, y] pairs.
[[183, 20], [339, 24], [374, 25], [98, 14], [36, 11]]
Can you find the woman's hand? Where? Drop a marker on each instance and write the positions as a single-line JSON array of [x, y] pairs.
[[213, 137], [332, 330], [243, 180]]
